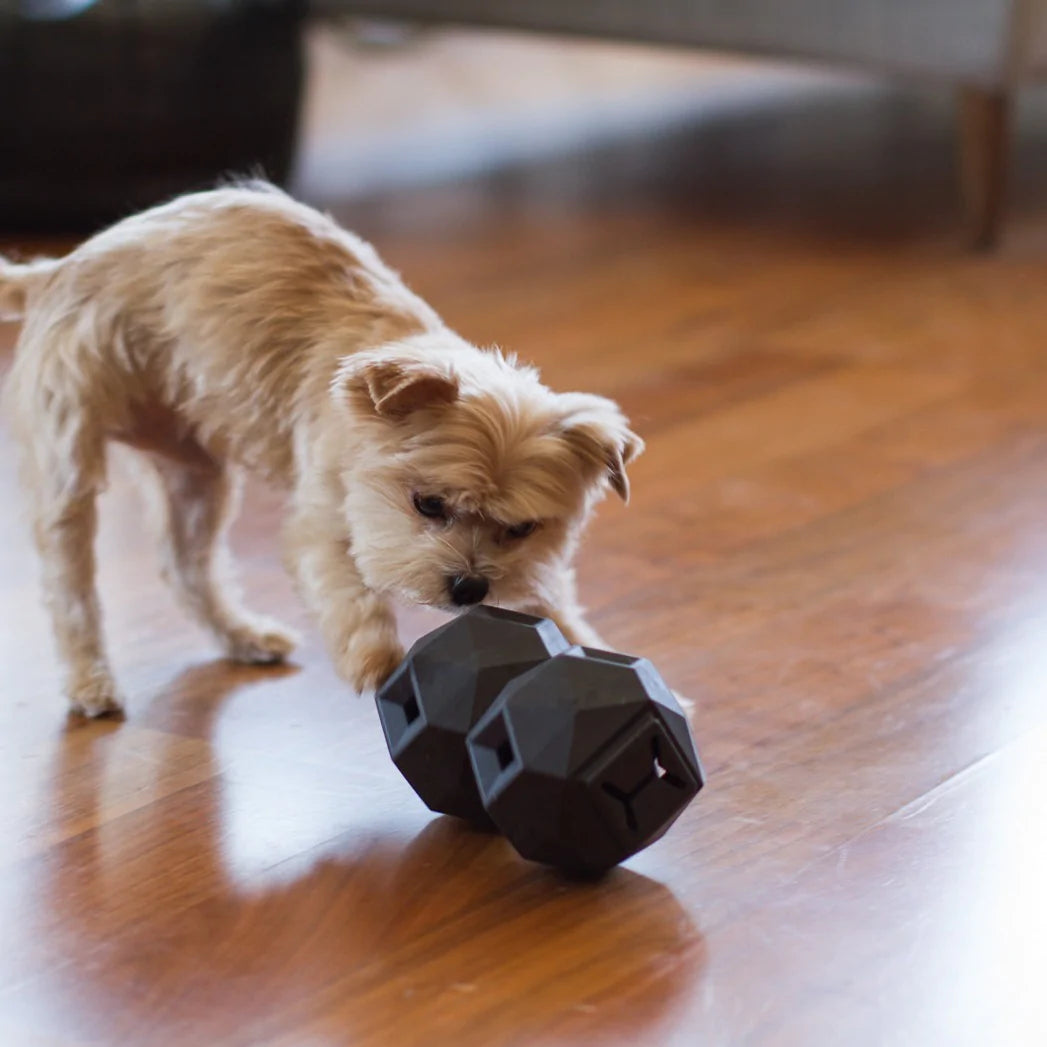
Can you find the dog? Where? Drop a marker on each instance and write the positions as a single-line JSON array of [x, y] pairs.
[[240, 330]]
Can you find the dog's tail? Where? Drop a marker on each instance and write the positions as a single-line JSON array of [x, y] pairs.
[[16, 282]]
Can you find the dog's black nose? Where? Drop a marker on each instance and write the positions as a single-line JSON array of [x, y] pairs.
[[467, 589]]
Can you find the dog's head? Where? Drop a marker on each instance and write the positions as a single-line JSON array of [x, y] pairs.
[[469, 479]]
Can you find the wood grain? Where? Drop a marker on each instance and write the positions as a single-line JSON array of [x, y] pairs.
[[837, 545]]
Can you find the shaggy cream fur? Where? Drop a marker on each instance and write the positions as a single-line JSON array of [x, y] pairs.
[[238, 329]]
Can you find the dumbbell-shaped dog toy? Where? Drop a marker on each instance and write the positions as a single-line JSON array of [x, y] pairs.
[[580, 758]]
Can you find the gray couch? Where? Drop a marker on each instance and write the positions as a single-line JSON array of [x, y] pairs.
[[986, 48]]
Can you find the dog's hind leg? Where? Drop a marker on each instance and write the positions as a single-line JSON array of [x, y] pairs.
[[66, 476], [197, 504]]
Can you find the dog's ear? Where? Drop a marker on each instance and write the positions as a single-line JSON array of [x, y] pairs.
[[599, 434], [393, 386]]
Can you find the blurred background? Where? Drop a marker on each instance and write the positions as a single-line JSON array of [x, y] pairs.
[[114, 104]]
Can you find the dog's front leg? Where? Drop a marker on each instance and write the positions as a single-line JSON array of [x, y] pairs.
[[560, 603], [357, 623], [558, 600], [574, 626]]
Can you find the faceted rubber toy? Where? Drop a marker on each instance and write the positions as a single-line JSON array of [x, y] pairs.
[[446, 682], [585, 760]]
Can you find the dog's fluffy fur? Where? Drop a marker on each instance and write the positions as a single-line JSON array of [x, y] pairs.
[[240, 329]]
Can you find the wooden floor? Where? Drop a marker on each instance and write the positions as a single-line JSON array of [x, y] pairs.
[[837, 546]]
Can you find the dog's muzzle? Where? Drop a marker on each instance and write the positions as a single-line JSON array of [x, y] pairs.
[[467, 589]]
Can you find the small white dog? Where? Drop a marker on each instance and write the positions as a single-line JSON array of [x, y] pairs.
[[240, 329]]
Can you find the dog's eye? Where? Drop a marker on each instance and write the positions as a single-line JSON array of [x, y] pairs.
[[430, 506], [522, 530]]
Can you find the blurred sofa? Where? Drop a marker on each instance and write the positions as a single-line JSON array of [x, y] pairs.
[[111, 105], [985, 48]]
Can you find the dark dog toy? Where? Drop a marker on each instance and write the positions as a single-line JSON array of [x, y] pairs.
[[581, 758], [585, 760], [448, 680]]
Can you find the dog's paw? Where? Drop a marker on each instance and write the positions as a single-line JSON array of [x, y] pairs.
[[259, 643], [370, 664], [687, 704], [94, 694]]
